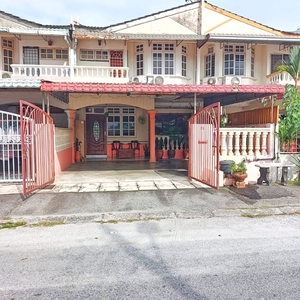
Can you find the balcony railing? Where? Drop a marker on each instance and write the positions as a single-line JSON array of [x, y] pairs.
[[246, 141], [280, 78], [71, 74]]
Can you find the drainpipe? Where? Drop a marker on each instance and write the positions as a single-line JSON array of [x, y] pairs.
[[71, 56], [275, 155]]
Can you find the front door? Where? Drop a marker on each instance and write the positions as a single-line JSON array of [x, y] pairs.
[[116, 60], [96, 134]]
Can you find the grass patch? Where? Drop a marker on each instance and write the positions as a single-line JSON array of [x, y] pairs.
[[127, 221], [294, 182], [48, 224], [107, 222], [246, 215], [12, 225]]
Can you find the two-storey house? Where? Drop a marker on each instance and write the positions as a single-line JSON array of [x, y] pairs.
[[126, 83]]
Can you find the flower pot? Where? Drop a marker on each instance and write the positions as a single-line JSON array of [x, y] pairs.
[[171, 153], [239, 176], [159, 154], [77, 156]]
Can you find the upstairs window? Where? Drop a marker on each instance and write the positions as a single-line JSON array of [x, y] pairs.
[[252, 61], [140, 59], [277, 60], [183, 61], [234, 60], [210, 62], [7, 46], [93, 55], [50, 53], [163, 58]]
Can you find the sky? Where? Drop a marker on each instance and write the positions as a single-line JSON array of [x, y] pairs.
[[103, 13]]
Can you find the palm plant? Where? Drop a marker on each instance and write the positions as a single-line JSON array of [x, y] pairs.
[[289, 126], [292, 66]]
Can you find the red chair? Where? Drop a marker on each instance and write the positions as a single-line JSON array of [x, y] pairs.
[[134, 144], [115, 146]]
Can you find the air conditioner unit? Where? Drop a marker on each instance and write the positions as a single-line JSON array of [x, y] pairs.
[[150, 79], [135, 79], [232, 80], [6, 75], [211, 80], [158, 80]]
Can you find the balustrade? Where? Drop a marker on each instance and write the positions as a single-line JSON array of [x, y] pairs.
[[72, 74], [245, 141], [280, 78]]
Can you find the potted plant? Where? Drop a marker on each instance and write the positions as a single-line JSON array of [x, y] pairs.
[[146, 151], [159, 147], [223, 120], [174, 133], [78, 150], [238, 171]]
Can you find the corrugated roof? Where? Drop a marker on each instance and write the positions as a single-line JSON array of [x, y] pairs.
[[84, 34], [30, 23], [254, 38], [170, 10], [19, 83]]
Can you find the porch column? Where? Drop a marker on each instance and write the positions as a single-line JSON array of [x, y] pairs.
[[71, 125], [152, 114]]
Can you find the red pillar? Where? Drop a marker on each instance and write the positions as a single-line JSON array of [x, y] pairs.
[[152, 114]]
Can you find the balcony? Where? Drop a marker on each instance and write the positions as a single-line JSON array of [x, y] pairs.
[[65, 73], [280, 78]]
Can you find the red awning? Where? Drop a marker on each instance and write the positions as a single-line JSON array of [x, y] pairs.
[[159, 88]]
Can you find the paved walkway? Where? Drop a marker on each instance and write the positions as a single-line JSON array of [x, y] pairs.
[[112, 176], [118, 191]]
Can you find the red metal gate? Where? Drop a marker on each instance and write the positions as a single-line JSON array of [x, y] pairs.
[[37, 139], [204, 128]]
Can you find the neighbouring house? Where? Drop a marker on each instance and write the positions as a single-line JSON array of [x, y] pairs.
[[123, 85]]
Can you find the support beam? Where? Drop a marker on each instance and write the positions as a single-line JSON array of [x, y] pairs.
[[71, 125], [152, 114]]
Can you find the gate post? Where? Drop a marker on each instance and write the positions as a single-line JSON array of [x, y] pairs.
[[71, 125], [152, 114]]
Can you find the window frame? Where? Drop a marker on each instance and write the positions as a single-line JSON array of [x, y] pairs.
[[121, 113], [52, 52], [235, 54], [7, 60], [184, 60], [139, 55], [210, 62], [252, 62], [273, 65], [91, 55], [163, 58]]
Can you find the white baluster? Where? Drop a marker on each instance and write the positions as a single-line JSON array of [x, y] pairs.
[[264, 143], [244, 145], [237, 143], [257, 144], [230, 138], [223, 143], [250, 144]]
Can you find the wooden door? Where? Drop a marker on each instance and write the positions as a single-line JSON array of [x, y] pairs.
[[96, 134]]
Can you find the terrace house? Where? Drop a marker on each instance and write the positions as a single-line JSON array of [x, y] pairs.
[[126, 83]]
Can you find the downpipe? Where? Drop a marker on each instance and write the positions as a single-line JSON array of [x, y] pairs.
[[275, 154]]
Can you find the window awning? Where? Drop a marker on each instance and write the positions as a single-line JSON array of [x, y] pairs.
[[225, 94], [158, 88]]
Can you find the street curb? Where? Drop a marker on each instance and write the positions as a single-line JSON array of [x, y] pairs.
[[111, 217]]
